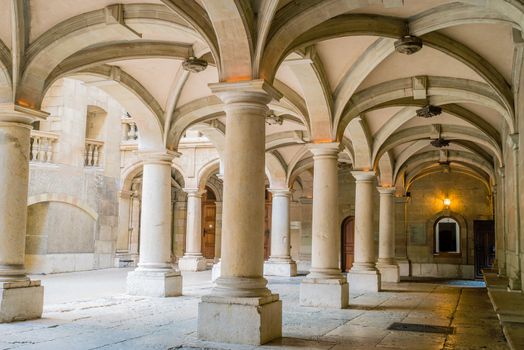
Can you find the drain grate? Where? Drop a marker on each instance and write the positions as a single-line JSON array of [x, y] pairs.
[[424, 328]]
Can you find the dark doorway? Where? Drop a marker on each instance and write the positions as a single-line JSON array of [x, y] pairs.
[[348, 243], [209, 210], [484, 245]]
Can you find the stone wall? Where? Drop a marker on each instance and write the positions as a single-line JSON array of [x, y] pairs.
[[73, 208], [470, 201]]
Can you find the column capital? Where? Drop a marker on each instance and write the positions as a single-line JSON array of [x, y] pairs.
[[324, 149], [194, 192], [364, 176], [280, 192], [253, 91], [12, 113], [158, 157], [387, 190]]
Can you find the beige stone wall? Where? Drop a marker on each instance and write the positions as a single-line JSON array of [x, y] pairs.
[[470, 201], [73, 222]]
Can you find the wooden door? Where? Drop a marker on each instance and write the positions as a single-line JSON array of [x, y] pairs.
[[348, 243], [208, 229], [484, 245]]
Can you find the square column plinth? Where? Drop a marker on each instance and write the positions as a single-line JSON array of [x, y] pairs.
[[192, 263], [252, 321], [280, 268], [21, 300], [364, 281], [321, 292], [154, 284], [389, 273]]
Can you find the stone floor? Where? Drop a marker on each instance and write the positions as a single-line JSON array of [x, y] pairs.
[[89, 311]]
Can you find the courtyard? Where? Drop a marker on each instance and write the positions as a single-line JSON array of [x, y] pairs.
[[89, 310]]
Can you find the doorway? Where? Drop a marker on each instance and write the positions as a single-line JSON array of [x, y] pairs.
[[348, 243], [209, 211], [484, 245]]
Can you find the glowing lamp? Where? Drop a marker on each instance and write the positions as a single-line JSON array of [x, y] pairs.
[[447, 202]]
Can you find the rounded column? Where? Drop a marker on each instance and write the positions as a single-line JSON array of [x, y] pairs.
[[325, 285], [241, 287], [387, 265], [155, 275], [20, 298], [363, 276], [280, 262], [193, 259]]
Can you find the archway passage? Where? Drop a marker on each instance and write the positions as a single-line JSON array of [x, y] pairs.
[[209, 210], [348, 243]]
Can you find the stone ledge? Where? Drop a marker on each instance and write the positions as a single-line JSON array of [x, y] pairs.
[[330, 293], [252, 322], [21, 303], [257, 301]]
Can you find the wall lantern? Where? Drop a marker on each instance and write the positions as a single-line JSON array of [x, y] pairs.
[[447, 202]]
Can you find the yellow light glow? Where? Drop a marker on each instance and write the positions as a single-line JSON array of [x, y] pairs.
[[447, 202]]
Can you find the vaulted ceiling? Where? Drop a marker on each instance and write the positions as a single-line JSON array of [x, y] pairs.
[[334, 61]]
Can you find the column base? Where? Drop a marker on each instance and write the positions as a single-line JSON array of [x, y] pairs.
[[284, 268], [154, 283], [364, 281], [215, 271], [21, 301], [389, 272], [514, 283], [252, 321], [324, 292], [192, 263]]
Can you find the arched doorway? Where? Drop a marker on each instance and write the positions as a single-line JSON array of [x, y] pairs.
[[348, 243], [209, 211]]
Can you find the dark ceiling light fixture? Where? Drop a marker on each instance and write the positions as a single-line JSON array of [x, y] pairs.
[[194, 65], [408, 44], [439, 143], [429, 111]]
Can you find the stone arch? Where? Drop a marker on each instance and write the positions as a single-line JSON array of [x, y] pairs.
[[400, 92], [135, 99], [206, 171], [63, 198]]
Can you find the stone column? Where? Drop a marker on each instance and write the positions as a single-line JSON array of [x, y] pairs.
[[20, 297], [241, 309], [325, 285], [155, 275], [387, 265], [363, 276], [193, 259], [280, 262]]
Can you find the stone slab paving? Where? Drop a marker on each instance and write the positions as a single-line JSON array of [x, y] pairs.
[[125, 322]]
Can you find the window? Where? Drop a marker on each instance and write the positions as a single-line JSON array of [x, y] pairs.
[[447, 236]]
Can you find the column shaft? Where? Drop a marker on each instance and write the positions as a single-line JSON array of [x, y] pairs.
[[363, 276], [387, 265], [155, 275], [280, 262], [20, 298], [240, 300], [325, 284], [193, 259]]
